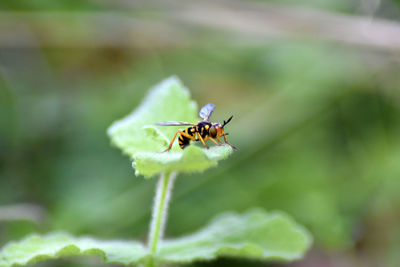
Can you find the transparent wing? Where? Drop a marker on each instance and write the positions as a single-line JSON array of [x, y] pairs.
[[173, 123], [206, 111]]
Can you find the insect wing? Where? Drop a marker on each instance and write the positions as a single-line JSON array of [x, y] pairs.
[[206, 111], [173, 123]]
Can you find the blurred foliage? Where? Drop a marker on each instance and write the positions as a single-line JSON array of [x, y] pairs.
[[317, 125], [39, 5]]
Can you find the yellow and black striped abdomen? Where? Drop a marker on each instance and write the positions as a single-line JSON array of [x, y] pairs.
[[184, 140]]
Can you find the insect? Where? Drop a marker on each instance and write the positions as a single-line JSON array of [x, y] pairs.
[[202, 131]]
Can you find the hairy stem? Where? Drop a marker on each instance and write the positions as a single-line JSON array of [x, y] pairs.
[[160, 208]]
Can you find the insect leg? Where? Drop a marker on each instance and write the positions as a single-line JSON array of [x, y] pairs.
[[202, 140], [218, 140], [215, 142], [226, 141], [173, 139]]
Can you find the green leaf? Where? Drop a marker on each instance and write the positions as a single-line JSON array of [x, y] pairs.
[[53, 246], [138, 136], [253, 235]]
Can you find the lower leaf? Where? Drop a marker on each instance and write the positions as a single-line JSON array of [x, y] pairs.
[[254, 235], [53, 246]]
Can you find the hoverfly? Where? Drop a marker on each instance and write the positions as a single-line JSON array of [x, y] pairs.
[[202, 131]]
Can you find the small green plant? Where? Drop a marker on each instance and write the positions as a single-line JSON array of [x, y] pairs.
[[255, 234]]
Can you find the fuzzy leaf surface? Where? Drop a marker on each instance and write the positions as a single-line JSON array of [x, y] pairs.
[[138, 136], [253, 235], [53, 246]]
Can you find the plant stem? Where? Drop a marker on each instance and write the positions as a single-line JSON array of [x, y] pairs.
[[160, 208]]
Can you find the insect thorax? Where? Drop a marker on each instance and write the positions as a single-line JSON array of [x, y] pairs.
[[203, 128]]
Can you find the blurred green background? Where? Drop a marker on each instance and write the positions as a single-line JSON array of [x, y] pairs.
[[314, 88]]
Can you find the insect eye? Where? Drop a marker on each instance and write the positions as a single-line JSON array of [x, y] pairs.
[[213, 131]]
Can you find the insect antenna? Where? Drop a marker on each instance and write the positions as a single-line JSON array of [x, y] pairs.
[[226, 122]]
